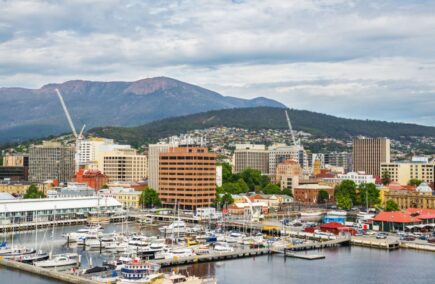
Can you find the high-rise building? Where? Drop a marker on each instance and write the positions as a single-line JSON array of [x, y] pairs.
[[251, 156], [280, 152], [92, 150], [402, 172], [15, 167], [369, 153], [124, 165], [339, 159], [187, 177], [51, 160], [154, 151]]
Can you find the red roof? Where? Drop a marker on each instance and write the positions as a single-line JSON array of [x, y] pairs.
[[421, 213], [395, 217], [331, 225]]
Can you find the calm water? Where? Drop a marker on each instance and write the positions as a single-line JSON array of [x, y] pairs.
[[342, 265]]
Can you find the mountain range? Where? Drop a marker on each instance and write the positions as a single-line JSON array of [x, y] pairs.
[[318, 124], [35, 113]]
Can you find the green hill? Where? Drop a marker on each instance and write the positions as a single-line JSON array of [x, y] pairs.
[[261, 118]]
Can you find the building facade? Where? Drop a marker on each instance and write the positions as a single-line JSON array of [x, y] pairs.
[[154, 151], [423, 197], [20, 187], [402, 172], [308, 193], [51, 160], [251, 156], [93, 178], [279, 153], [357, 178], [125, 165], [187, 177], [288, 173], [339, 159], [369, 153]]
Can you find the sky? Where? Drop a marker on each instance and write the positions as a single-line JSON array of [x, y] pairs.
[[358, 59]]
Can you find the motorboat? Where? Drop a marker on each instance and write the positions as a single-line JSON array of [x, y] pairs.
[[336, 213], [61, 260], [178, 253], [311, 216], [177, 227], [222, 247], [235, 237], [175, 278]]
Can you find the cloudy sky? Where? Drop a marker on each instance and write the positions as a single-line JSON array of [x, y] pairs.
[[360, 59]]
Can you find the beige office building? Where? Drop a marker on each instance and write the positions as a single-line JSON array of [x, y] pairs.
[[124, 165], [51, 160], [369, 153], [288, 173], [403, 172], [251, 156], [154, 151]]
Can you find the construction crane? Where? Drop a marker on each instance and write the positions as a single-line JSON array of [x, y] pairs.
[[78, 137], [295, 142]]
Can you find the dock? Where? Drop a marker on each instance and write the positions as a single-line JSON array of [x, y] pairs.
[[52, 274], [374, 243], [215, 256]]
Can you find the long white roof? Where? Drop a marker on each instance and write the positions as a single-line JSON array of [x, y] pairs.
[[55, 203]]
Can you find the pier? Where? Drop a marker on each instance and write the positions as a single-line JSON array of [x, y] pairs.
[[215, 256], [62, 276], [375, 243]]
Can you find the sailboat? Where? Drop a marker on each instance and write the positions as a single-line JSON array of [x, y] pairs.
[[60, 260]]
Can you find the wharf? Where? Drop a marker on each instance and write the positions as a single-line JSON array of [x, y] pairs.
[[216, 256], [375, 243], [56, 275], [28, 226], [312, 245], [417, 246]]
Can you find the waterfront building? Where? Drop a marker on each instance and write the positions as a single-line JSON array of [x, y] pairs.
[[403, 220], [339, 159], [129, 198], [71, 190], [93, 178], [357, 178], [308, 193], [124, 165], [369, 153], [154, 151], [403, 172], [46, 209], [187, 177], [50, 161], [288, 173], [251, 156], [20, 187], [423, 197]]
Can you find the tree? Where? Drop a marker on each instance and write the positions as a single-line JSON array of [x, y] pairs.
[[322, 196], [343, 201], [287, 191], [149, 198], [391, 206], [227, 173], [272, 188], [346, 188], [33, 193], [226, 199], [252, 178], [414, 182], [368, 193], [386, 178]]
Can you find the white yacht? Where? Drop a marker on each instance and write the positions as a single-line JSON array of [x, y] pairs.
[[223, 247], [61, 260], [178, 253], [177, 227]]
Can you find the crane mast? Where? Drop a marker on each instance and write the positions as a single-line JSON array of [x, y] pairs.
[[295, 143]]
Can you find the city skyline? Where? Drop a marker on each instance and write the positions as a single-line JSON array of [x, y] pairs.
[[330, 57]]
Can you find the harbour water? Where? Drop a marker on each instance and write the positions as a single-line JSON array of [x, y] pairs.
[[341, 265]]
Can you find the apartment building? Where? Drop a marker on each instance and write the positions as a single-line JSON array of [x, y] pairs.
[[154, 151], [402, 172], [251, 156], [187, 177]]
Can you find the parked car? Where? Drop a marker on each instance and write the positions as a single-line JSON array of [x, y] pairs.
[[381, 236], [431, 240], [409, 238], [424, 237]]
